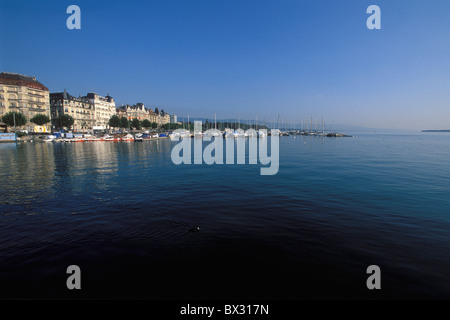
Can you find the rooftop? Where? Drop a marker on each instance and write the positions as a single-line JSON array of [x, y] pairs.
[[20, 80]]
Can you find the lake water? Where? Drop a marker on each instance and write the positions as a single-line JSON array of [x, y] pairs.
[[122, 213]]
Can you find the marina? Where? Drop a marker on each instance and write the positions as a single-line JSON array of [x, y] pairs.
[[179, 133]]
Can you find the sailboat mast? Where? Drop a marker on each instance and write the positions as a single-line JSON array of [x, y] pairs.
[[239, 122]]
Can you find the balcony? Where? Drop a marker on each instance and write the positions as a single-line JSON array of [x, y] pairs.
[[41, 95]]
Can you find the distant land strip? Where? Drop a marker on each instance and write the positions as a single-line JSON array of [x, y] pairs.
[[435, 130]]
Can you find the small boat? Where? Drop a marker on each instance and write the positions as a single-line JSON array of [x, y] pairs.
[[251, 133], [239, 133], [88, 137], [228, 133], [128, 137], [110, 138], [198, 135], [49, 138]]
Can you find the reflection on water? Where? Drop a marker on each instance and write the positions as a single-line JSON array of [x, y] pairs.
[[30, 170]]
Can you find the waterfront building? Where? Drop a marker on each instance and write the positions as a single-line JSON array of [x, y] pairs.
[[138, 111], [163, 118], [122, 111], [173, 118], [104, 108], [81, 109], [153, 118], [23, 94]]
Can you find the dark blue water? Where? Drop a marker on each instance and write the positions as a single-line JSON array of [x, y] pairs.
[[122, 211]]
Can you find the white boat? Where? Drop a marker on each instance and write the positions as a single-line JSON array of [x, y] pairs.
[[198, 135], [128, 137], [109, 138], [228, 133], [251, 133], [49, 138], [239, 133], [89, 137], [212, 133]]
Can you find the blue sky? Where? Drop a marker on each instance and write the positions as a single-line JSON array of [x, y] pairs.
[[243, 58]]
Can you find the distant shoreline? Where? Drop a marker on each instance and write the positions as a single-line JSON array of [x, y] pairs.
[[435, 130]]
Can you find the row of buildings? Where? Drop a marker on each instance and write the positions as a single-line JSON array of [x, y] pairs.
[[25, 94]]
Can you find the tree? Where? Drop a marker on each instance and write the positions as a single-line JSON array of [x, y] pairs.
[[64, 120], [136, 124], [114, 121], [40, 119], [14, 118], [124, 123], [146, 124], [154, 125]]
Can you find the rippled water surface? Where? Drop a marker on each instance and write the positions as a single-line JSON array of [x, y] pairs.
[[122, 212]]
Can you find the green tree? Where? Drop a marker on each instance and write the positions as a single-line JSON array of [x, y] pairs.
[[124, 123], [136, 124], [114, 122], [14, 118], [64, 120], [154, 125], [146, 124], [40, 119]]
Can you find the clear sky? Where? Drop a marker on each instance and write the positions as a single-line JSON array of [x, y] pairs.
[[243, 58]]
